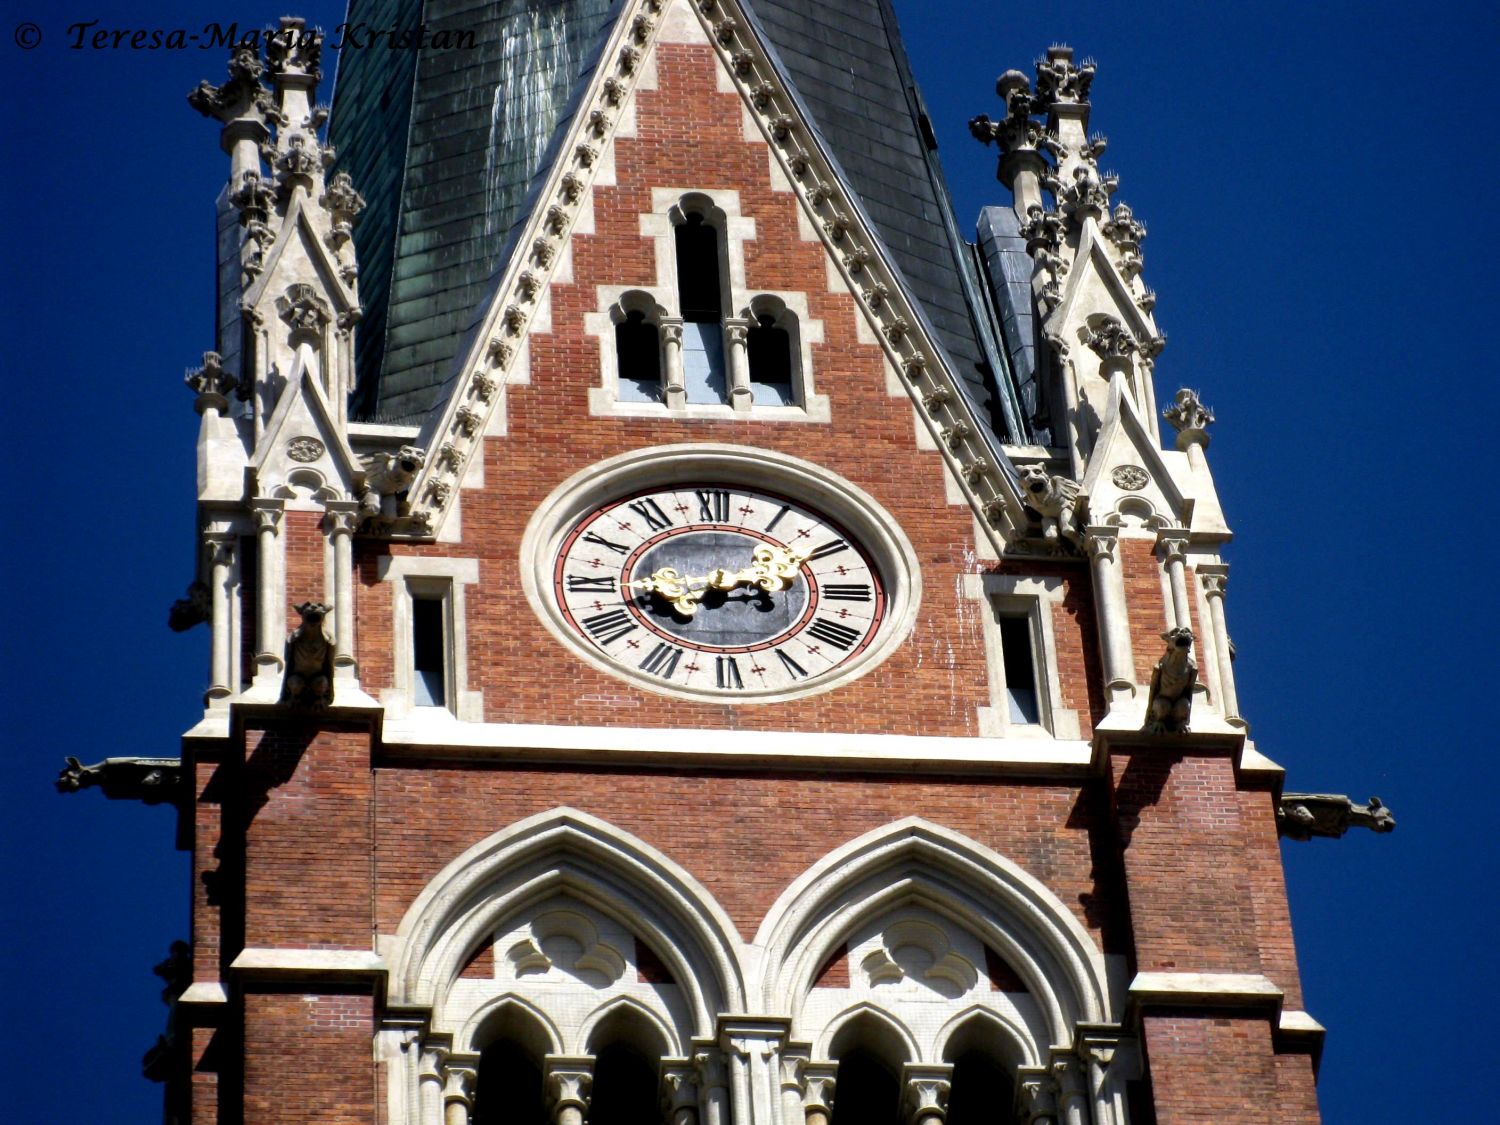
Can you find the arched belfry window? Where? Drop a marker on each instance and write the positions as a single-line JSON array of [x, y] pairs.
[[870, 1056], [982, 1077], [508, 1088], [627, 1054], [700, 289], [770, 348], [638, 349]]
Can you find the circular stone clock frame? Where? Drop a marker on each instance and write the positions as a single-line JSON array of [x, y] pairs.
[[878, 554]]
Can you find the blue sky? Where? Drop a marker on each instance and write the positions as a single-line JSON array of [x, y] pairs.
[[1319, 185]]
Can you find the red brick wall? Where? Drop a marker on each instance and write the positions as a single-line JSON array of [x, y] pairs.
[[744, 837], [1148, 609], [308, 1058], [1211, 1069], [307, 802]]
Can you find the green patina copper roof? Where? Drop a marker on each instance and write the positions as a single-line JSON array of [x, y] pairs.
[[445, 144]]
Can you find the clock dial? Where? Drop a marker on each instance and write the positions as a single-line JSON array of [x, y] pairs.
[[718, 590]]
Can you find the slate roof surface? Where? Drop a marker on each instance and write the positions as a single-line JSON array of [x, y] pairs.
[[480, 123]]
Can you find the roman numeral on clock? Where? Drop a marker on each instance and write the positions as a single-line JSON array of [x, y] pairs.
[[727, 672], [586, 584], [651, 512], [832, 547], [779, 516], [662, 660], [797, 671], [713, 505], [609, 626], [840, 636], [599, 541], [847, 592]]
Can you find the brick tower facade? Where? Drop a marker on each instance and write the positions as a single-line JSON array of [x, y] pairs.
[[693, 638]]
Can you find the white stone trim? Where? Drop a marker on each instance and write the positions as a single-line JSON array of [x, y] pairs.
[[916, 861], [446, 578], [792, 750], [811, 484], [204, 992], [1205, 987], [565, 851], [281, 960], [1037, 598]]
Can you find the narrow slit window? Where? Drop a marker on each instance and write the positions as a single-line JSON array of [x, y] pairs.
[[698, 285], [770, 355], [1020, 669], [638, 349], [429, 651]]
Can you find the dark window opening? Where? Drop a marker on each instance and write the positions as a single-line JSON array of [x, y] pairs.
[[429, 651], [698, 289], [982, 1091], [770, 355], [1020, 669], [625, 1086], [508, 1090], [638, 349], [868, 1091]]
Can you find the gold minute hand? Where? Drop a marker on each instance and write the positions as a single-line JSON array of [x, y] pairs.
[[771, 568]]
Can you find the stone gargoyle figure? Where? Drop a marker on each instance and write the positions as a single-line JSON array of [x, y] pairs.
[[1170, 703], [1055, 499], [1301, 816], [387, 475], [308, 679]]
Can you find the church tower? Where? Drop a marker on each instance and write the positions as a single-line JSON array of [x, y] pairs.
[[694, 635]]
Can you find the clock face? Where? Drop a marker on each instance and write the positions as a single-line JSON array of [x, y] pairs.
[[718, 590]]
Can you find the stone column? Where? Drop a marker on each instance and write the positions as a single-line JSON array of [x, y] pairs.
[[458, 1091], [568, 1080], [1215, 576], [1072, 1090], [432, 1077], [819, 1080], [751, 1046], [220, 547], [713, 1083], [679, 1092], [342, 518], [1100, 1046], [924, 1093], [737, 336], [1170, 546], [793, 1072], [270, 614], [1114, 622], [675, 389], [1037, 1097]]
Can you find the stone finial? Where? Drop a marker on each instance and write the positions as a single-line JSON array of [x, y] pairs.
[[1190, 418], [309, 660], [1301, 816], [1170, 703], [211, 383], [1058, 80]]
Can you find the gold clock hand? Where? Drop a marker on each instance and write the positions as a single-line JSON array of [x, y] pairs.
[[771, 568]]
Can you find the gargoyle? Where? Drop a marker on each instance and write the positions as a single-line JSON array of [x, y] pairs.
[[1055, 499], [1301, 816], [309, 660], [1170, 703], [151, 780], [387, 476], [191, 610]]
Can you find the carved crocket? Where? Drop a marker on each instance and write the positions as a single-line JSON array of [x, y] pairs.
[[308, 680], [1170, 703]]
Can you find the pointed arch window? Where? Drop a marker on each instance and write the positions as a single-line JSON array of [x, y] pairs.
[[638, 350], [870, 1057], [627, 1054], [771, 348]]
